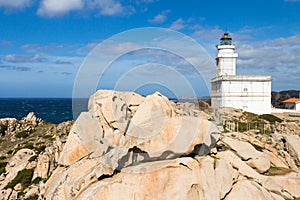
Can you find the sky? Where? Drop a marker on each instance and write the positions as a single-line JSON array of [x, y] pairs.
[[46, 45]]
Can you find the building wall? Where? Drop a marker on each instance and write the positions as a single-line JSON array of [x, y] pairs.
[[249, 95], [298, 106], [290, 106], [226, 60]]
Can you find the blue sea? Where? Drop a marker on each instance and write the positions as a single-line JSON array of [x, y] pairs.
[[54, 110]]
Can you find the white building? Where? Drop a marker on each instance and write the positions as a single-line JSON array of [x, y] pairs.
[[248, 92], [292, 103]]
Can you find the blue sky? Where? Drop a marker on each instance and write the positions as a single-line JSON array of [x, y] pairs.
[[43, 43]]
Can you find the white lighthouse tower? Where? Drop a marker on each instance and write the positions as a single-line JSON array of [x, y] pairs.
[[250, 93], [226, 58]]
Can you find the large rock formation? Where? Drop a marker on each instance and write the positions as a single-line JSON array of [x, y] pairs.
[[125, 129]]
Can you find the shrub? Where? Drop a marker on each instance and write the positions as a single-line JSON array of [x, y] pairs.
[[48, 137], [2, 167], [24, 177], [10, 151], [22, 134], [28, 145], [257, 147], [273, 171], [3, 157], [270, 118], [37, 180], [34, 197], [242, 127], [39, 149], [32, 158], [3, 128]]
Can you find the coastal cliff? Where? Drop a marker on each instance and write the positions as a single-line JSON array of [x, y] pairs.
[[132, 147]]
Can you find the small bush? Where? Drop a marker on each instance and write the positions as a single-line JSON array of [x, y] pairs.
[[48, 137], [270, 118], [242, 127], [37, 180], [3, 157], [3, 128], [32, 158], [10, 151], [257, 147], [35, 197], [39, 149], [2, 167], [29, 145], [24, 177], [22, 134], [273, 171]]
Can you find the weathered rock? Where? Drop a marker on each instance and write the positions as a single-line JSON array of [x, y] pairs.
[[42, 167], [250, 190], [33, 191], [254, 158], [150, 116], [31, 118], [67, 183], [152, 134], [183, 178], [5, 194], [293, 146], [241, 166], [84, 138], [17, 163], [289, 184], [109, 105]]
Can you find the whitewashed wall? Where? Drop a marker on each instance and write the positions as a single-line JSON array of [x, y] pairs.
[[250, 93]]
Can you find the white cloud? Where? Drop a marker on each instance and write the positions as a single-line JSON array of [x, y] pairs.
[[107, 7], [13, 58], [52, 8], [15, 4], [279, 57], [160, 18], [178, 24]]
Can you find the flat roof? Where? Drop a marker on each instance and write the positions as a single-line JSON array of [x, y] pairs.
[[242, 78]]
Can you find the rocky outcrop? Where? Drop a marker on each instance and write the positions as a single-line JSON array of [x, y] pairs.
[[124, 129], [159, 150], [17, 163], [121, 138]]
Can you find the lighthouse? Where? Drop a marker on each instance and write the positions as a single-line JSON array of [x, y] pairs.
[[250, 93], [226, 57]]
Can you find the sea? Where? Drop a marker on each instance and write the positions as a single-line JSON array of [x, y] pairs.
[[54, 110]]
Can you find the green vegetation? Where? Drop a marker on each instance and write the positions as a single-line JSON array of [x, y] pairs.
[[257, 147], [24, 177], [23, 134], [3, 128], [35, 197], [270, 118], [37, 180], [48, 137], [10, 151], [28, 145], [2, 167], [3, 157], [39, 149], [32, 158], [273, 171]]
